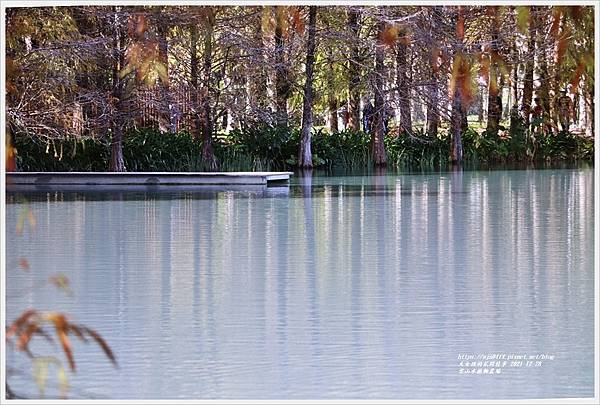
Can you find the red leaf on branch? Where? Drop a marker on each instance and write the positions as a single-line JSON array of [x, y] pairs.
[[389, 35]]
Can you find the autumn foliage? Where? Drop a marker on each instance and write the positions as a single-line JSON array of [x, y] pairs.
[[32, 323], [101, 72]]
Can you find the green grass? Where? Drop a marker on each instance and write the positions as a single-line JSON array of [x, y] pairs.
[[267, 148]]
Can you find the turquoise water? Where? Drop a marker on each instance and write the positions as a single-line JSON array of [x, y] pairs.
[[333, 287]]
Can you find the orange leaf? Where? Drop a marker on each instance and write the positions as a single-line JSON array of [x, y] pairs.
[[61, 325], [460, 79], [137, 25], [561, 48], [31, 219], [20, 322], [24, 264], [62, 283], [466, 90], [297, 21], [556, 15], [12, 72], [280, 20], [20, 223], [577, 76], [66, 345], [460, 24], [494, 89], [25, 337], [435, 54], [25, 213], [141, 25], [11, 163], [77, 332], [102, 343], [389, 35]]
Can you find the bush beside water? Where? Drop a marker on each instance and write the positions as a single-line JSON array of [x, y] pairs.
[[275, 148]]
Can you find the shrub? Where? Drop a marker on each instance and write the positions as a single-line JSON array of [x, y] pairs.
[[418, 149], [263, 147], [149, 150], [43, 154]]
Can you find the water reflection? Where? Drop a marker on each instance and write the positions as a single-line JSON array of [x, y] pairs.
[[351, 287]]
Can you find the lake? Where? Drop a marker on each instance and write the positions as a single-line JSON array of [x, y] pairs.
[[334, 287]]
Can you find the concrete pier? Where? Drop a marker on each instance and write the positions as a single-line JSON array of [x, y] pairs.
[[145, 178]]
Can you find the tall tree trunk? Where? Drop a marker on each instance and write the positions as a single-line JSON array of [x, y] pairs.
[[282, 83], [575, 109], [464, 123], [305, 155], [514, 90], [258, 78], [457, 120], [544, 88], [456, 123], [377, 140], [332, 100], [480, 106], [402, 83], [86, 28], [354, 71], [167, 119], [433, 116], [529, 65], [194, 79], [543, 70], [206, 126], [239, 83], [117, 162], [494, 90], [589, 109]]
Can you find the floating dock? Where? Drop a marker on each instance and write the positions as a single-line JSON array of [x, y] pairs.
[[144, 178]]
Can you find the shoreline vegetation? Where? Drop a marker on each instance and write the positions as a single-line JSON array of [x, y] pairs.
[[273, 149], [224, 88]]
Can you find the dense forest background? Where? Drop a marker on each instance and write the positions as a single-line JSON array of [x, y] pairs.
[[264, 87]]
